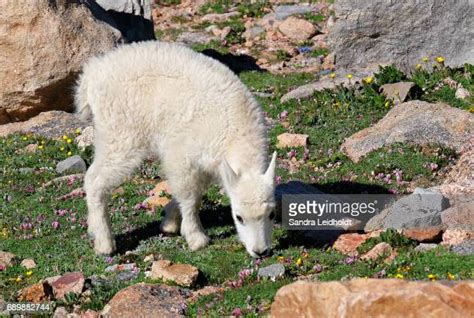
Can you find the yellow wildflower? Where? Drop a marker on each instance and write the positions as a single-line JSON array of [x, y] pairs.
[[299, 262], [425, 59], [5, 232], [369, 79], [69, 140], [65, 137], [440, 59], [399, 276], [69, 153], [451, 276], [40, 147], [28, 273], [418, 67], [62, 148], [349, 76], [78, 131], [387, 104], [332, 75], [18, 279], [24, 138], [432, 277], [281, 258]]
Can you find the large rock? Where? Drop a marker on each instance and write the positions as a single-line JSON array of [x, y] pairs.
[[419, 210], [146, 300], [402, 32], [42, 47], [414, 122], [74, 164], [132, 17], [374, 298]]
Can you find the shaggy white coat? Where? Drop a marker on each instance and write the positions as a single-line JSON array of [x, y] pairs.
[[165, 100]]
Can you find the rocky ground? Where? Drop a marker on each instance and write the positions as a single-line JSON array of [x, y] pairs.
[[336, 130]]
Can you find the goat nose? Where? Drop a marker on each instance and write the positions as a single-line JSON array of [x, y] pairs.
[[262, 253]]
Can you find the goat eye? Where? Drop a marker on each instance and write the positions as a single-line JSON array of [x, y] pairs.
[[272, 215], [239, 218]]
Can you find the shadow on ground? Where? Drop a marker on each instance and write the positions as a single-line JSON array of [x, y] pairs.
[[216, 215], [237, 63]]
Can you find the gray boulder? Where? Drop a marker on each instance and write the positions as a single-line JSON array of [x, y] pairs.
[[421, 209], [402, 32], [74, 164], [284, 11]]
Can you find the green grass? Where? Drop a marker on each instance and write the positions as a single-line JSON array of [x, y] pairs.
[[328, 117]]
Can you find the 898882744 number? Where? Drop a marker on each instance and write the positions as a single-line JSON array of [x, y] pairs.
[[27, 307]]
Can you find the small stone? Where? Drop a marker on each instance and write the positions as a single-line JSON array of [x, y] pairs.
[[126, 275], [28, 263], [120, 267], [377, 251], [149, 258], [68, 283], [297, 29], [74, 164], [464, 248], [6, 258], [36, 293], [287, 140], [455, 236], [86, 138], [89, 313], [429, 234], [397, 92], [181, 274], [205, 291], [159, 195], [219, 17], [462, 93], [424, 247], [31, 148], [60, 312], [273, 271], [348, 243]]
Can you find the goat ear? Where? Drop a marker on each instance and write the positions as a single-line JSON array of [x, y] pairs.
[[229, 177], [270, 173]]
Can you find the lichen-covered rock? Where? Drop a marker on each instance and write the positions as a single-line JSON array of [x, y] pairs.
[[402, 32], [414, 122]]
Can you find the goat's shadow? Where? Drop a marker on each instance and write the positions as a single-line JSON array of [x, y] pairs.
[[215, 215], [237, 63]]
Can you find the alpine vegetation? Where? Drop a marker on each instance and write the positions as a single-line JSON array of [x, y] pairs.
[[194, 114]]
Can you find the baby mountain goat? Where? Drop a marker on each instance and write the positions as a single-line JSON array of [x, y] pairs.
[[193, 113]]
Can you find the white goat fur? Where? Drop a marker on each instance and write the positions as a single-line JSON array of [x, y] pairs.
[[165, 100]]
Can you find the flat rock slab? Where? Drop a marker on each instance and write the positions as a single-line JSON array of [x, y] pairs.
[[52, 124], [374, 298], [416, 122], [147, 300], [306, 91], [287, 140]]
